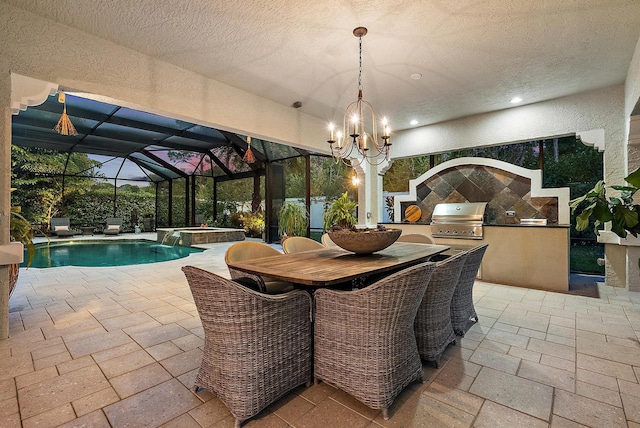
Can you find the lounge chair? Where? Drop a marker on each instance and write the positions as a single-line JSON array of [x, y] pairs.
[[113, 226], [60, 226]]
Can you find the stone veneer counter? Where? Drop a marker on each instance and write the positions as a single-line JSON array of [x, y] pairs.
[[520, 255]]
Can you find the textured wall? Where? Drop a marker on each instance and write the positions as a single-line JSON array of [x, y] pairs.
[[38, 48], [598, 109], [632, 83]]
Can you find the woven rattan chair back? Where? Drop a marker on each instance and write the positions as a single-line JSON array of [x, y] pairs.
[[297, 244], [462, 308], [433, 328], [257, 347], [416, 238], [326, 241], [363, 340], [247, 250]]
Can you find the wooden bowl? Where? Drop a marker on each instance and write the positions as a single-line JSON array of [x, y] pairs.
[[364, 241]]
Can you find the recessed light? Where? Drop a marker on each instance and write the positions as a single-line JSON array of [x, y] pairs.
[[516, 100], [414, 122], [416, 76]]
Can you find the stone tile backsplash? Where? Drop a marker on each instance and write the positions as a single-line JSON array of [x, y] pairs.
[[503, 190]]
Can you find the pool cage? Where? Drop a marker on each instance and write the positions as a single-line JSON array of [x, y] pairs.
[[183, 163]]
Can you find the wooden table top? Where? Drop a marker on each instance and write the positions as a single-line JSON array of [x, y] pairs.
[[330, 266]]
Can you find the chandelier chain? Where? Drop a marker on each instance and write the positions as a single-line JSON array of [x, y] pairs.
[[360, 67]]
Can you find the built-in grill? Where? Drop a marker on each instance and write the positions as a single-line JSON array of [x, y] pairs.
[[458, 220]]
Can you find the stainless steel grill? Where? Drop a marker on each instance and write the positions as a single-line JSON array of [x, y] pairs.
[[463, 220]]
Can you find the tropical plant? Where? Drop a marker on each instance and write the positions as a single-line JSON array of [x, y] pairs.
[[252, 223], [340, 213], [622, 212], [293, 220], [20, 230]]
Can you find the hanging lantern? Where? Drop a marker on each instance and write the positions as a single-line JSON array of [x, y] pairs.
[[248, 155], [64, 126]]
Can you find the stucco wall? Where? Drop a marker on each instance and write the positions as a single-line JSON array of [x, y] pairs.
[[38, 48], [632, 83], [598, 109]]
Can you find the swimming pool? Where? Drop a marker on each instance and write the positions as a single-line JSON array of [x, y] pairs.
[[106, 253]]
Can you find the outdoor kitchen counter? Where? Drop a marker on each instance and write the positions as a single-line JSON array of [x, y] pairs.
[[525, 256]]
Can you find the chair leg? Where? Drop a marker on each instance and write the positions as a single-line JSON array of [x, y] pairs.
[[316, 380], [385, 413], [238, 423]]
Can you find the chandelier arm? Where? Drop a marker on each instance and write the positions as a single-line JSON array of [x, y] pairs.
[[354, 132]]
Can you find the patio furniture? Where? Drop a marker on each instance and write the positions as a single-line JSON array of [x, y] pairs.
[[257, 347], [297, 244], [462, 309], [433, 328], [114, 225], [87, 230], [60, 226], [334, 266], [364, 342], [416, 238], [326, 241], [248, 250]]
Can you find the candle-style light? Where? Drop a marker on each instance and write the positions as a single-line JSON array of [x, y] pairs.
[[363, 136]]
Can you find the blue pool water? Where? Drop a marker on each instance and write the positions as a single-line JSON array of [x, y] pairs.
[[106, 253]]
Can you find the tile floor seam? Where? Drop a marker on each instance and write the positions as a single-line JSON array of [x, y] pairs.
[[378, 411]]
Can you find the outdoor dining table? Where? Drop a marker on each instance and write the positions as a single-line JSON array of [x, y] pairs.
[[332, 266]]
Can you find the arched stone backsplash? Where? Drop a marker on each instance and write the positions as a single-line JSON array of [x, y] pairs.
[[505, 187]]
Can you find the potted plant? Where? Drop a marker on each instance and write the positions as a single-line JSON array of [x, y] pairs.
[[340, 213], [622, 212], [293, 220], [20, 230], [340, 222]]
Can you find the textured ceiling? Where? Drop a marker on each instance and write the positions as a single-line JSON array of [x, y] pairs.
[[474, 55]]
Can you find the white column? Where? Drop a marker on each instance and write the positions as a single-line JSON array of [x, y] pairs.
[[370, 202]]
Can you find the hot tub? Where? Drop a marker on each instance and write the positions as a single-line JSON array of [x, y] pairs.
[[190, 236]]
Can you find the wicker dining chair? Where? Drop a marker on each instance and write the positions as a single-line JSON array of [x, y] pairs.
[[297, 244], [247, 250], [416, 238], [462, 309], [363, 340], [257, 347], [326, 241], [433, 328]]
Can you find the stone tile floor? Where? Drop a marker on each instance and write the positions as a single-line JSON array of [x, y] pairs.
[[100, 347]]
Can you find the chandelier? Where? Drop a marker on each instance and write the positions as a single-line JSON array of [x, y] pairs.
[[360, 126]]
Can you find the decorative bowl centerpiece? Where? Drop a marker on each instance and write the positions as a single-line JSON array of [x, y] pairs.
[[364, 241]]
